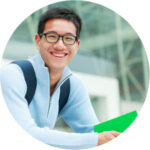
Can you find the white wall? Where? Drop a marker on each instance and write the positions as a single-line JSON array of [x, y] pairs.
[[107, 90]]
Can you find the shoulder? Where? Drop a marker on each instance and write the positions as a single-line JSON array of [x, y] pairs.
[[10, 70], [77, 85], [76, 81], [11, 75]]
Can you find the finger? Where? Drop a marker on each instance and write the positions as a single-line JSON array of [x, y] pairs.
[[110, 137], [115, 133]]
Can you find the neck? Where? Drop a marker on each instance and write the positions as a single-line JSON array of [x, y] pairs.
[[54, 78]]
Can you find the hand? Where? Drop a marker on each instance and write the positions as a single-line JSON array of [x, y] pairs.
[[107, 136]]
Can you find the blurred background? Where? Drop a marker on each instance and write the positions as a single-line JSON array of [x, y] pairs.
[[111, 60]]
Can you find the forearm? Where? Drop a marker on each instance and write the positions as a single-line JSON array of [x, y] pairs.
[[63, 139], [50, 136]]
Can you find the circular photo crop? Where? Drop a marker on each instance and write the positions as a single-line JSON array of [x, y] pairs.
[[74, 75]]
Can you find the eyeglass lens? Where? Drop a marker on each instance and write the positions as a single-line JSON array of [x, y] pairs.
[[53, 38]]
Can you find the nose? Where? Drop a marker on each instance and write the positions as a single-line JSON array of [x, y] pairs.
[[59, 45]]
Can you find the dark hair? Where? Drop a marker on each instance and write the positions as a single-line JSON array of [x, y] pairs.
[[63, 13]]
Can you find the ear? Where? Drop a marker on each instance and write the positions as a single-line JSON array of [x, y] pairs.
[[37, 41], [78, 42]]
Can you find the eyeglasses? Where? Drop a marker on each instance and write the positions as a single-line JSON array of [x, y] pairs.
[[54, 37]]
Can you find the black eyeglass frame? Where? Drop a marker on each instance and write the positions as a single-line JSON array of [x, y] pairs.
[[59, 36]]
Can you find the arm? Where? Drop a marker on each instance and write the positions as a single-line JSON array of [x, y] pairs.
[[14, 88], [78, 112]]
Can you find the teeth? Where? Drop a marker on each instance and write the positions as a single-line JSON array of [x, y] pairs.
[[59, 55]]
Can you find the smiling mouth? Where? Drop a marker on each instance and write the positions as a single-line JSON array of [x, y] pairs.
[[59, 55]]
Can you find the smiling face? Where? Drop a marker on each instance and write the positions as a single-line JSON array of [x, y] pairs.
[[57, 55]]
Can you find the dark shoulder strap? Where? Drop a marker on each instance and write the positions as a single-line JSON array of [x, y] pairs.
[[64, 94], [30, 78], [31, 81]]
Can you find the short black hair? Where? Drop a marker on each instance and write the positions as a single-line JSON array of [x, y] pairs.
[[62, 13]]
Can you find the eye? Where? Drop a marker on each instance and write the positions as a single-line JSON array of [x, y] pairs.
[[69, 38], [51, 36]]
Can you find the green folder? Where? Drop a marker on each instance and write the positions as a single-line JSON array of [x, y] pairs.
[[119, 124]]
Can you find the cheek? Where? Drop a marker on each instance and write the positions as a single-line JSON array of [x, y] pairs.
[[75, 49], [72, 54], [44, 48]]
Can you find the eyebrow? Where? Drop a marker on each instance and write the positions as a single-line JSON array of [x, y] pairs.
[[69, 34], [64, 34], [51, 32]]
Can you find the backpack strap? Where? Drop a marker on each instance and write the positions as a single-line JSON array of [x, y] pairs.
[[31, 81], [64, 94], [30, 78]]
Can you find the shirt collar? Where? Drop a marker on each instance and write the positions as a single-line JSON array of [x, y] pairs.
[[40, 64]]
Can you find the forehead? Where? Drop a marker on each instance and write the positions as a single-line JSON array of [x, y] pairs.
[[60, 26]]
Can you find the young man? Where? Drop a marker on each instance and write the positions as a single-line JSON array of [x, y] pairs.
[[57, 41]]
